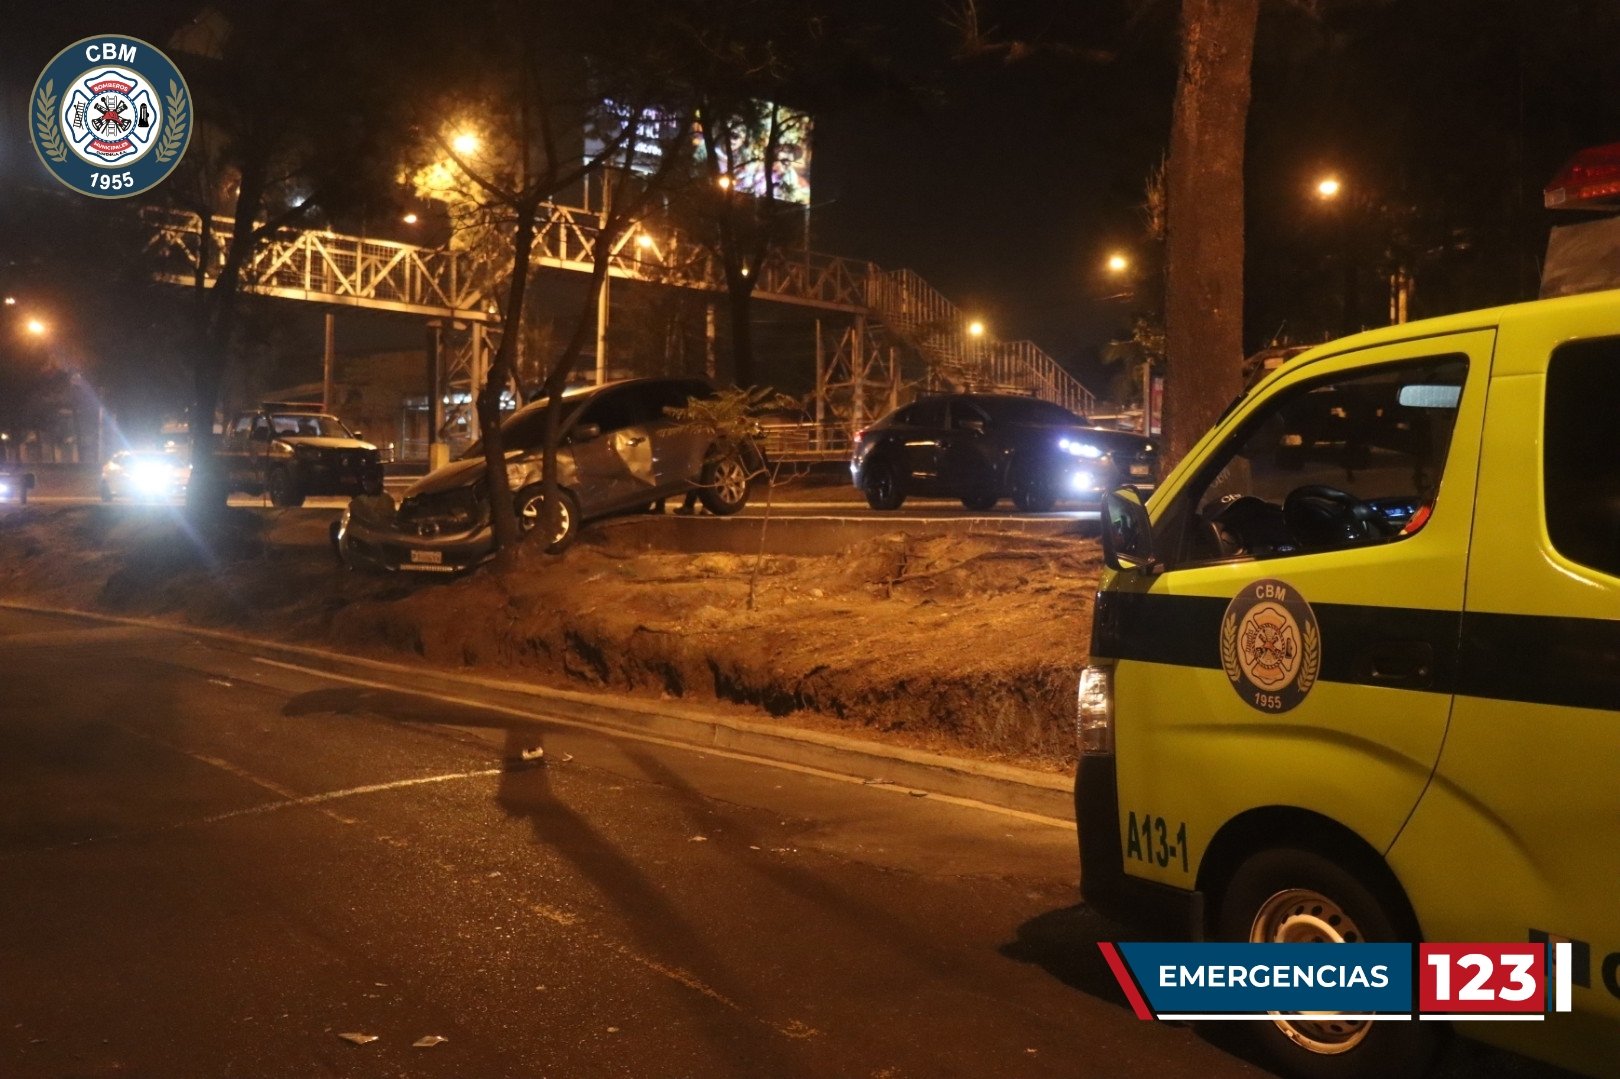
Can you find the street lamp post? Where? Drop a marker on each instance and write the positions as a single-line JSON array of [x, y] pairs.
[[1330, 191]]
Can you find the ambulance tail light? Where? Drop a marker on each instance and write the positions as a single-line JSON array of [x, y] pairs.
[[1094, 719]]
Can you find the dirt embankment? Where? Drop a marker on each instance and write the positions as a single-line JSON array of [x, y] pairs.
[[966, 643]]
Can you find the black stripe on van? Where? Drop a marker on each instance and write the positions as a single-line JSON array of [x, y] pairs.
[[1537, 659]]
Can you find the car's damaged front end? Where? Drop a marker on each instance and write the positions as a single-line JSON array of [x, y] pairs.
[[443, 531]]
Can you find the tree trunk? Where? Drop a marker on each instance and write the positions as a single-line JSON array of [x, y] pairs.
[[215, 312], [1204, 243], [740, 297], [502, 519]]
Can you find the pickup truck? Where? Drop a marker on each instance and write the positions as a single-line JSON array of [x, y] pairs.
[[290, 454]]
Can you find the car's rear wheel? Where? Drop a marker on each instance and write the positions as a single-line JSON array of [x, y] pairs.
[[1292, 896], [880, 483], [284, 489], [531, 511], [980, 502], [724, 481]]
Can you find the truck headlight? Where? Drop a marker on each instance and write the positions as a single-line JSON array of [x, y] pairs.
[[1094, 714]]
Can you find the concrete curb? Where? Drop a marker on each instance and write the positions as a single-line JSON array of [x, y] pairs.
[[1000, 785]]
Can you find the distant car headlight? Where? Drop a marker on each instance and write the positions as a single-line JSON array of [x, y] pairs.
[[1079, 449], [152, 477]]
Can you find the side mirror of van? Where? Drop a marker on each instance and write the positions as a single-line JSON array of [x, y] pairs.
[[1127, 534]]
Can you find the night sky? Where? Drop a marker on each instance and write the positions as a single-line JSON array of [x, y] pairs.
[[1006, 175]]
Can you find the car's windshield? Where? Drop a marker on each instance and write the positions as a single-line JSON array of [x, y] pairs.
[[308, 425], [523, 430]]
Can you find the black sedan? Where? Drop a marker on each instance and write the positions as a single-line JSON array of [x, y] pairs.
[[982, 447]]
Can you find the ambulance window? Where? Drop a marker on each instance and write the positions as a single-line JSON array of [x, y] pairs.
[[1336, 462], [1581, 466]]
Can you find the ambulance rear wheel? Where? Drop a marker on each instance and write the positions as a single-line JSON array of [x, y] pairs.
[[1292, 896]]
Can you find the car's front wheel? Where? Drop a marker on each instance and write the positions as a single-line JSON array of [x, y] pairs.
[[881, 485], [1286, 895], [531, 511], [724, 484], [978, 503], [1034, 493], [284, 489]]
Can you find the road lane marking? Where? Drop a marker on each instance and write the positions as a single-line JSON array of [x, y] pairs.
[[620, 732], [332, 796]]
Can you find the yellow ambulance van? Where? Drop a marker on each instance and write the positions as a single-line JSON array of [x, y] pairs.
[[1355, 671]]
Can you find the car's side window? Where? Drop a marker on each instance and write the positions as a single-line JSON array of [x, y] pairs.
[[1335, 462], [261, 428], [611, 410], [929, 413], [1580, 468], [963, 413], [244, 424]]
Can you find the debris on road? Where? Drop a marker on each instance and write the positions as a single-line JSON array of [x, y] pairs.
[[357, 1038], [428, 1041]]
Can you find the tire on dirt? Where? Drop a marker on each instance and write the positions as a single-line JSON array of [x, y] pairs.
[[530, 506], [724, 482], [978, 503], [1277, 894]]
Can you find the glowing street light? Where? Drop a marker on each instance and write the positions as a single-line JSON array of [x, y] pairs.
[[724, 182], [464, 143], [643, 240], [36, 327], [410, 219], [1118, 263], [975, 328], [11, 301], [1328, 188]]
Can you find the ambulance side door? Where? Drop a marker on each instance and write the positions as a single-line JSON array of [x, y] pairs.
[[1519, 834], [1297, 651]]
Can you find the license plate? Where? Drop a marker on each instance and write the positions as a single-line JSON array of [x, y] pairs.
[[427, 558], [1140, 470]]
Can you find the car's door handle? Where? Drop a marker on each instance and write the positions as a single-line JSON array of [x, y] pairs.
[[1406, 664]]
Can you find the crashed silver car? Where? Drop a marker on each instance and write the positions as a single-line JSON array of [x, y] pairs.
[[620, 452]]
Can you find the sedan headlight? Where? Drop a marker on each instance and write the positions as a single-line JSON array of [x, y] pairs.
[[1094, 718], [1079, 449]]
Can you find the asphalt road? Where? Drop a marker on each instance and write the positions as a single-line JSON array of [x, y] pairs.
[[216, 867]]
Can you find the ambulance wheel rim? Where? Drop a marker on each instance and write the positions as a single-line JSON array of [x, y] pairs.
[[1304, 916]]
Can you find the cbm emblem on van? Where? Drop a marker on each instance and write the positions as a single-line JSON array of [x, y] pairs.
[[1271, 648], [111, 116]]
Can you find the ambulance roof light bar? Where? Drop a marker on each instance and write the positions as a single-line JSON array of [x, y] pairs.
[[1589, 181]]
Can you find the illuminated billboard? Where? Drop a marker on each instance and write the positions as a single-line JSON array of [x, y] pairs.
[[654, 131], [765, 133], [743, 143]]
